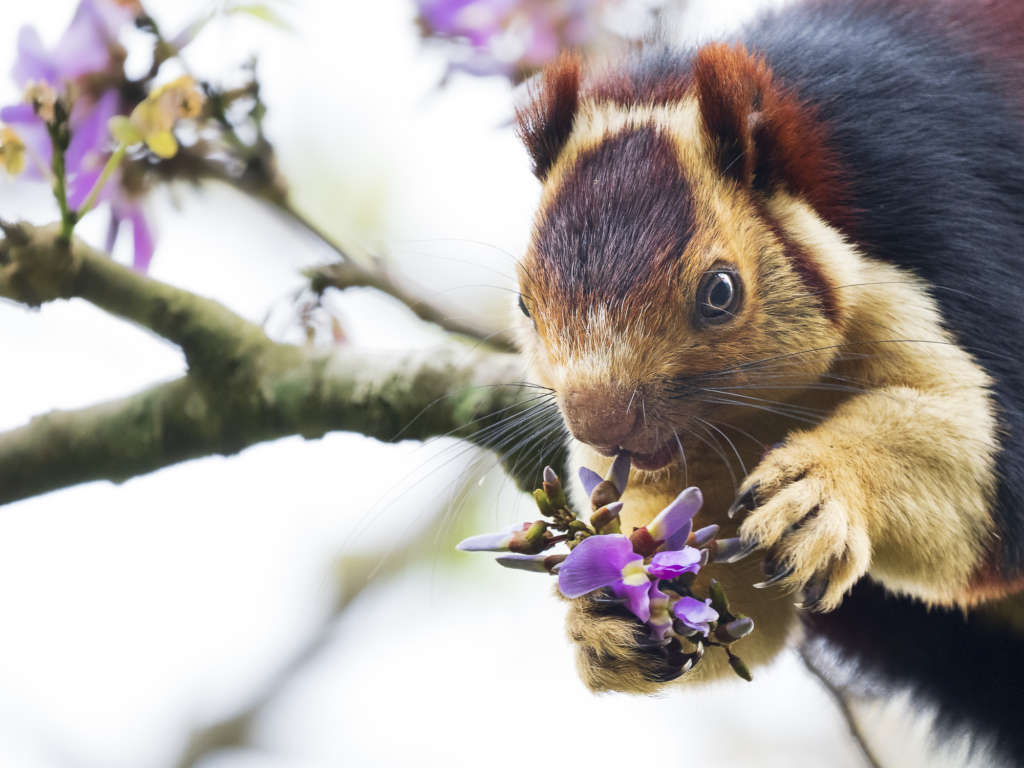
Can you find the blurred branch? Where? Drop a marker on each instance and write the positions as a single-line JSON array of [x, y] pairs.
[[258, 178], [840, 697], [236, 732], [242, 388]]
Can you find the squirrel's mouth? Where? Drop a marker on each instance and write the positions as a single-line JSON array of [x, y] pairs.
[[649, 462]]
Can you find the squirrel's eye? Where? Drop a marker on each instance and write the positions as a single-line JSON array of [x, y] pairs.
[[718, 296], [522, 306]]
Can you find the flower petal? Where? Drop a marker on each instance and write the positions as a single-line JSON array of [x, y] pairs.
[[637, 596], [595, 562], [590, 479], [142, 237], [668, 565], [678, 539], [676, 515], [660, 620], [695, 614]]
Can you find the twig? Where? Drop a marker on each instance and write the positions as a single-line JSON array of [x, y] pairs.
[[839, 697], [350, 272]]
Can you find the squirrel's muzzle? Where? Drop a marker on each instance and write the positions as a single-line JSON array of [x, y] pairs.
[[603, 415]]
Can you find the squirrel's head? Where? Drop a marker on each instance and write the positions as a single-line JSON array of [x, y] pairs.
[[663, 285]]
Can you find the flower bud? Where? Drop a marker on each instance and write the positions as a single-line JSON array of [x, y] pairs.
[[619, 472], [536, 532], [740, 667], [703, 536], [643, 543], [604, 494], [540, 563], [704, 557], [605, 516], [549, 475], [523, 546], [543, 503], [741, 627], [493, 542], [718, 599], [590, 480], [722, 550], [555, 494], [682, 630]]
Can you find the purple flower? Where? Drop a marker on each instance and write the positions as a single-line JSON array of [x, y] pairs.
[[695, 614], [503, 36], [669, 565], [607, 561], [84, 48]]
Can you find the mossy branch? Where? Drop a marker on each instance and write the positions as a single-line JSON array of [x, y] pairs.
[[241, 387]]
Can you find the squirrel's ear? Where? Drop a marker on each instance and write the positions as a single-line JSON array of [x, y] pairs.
[[761, 134], [545, 121]]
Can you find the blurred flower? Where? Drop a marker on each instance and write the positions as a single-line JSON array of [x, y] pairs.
[[510, 36], [12, 151], [154, 119], [86, 52], [695, 614], [43, 99], [88, 46]]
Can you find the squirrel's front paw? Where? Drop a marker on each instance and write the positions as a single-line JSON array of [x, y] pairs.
[[810, 517], [613, 650]]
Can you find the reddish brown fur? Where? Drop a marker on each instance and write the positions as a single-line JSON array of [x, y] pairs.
[[765, 137], [807, 268], [665, 84], [545, 121]]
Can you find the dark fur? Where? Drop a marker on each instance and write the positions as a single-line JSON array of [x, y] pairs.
[[970, 667], [931, 140], [629, 198]]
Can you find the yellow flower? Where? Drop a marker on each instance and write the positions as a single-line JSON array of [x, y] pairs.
[[153, 120], [12, 151], [43, 98]]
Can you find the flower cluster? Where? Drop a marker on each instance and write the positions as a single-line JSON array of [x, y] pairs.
[[652, 571], [510, 37], [97, 136]]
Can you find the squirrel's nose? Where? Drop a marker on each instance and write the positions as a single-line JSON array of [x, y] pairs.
[[601, 415]]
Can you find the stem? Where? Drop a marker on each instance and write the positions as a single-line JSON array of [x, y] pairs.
[[844, 709], [112, 162], [67, 217]]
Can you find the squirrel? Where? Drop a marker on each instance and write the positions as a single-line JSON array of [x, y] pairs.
[[789, 269]]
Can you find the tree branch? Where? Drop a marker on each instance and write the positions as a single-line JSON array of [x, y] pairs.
[[242, 388]]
